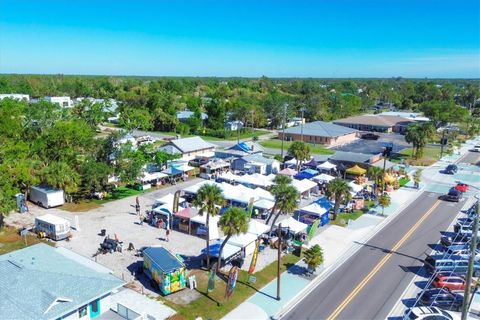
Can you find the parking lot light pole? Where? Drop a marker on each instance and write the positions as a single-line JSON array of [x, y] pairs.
[[279, 259], [473, 247]]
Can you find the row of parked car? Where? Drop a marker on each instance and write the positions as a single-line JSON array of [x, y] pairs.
[[443, 294]]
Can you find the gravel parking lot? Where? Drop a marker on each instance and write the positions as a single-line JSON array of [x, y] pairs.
[[375, 146]]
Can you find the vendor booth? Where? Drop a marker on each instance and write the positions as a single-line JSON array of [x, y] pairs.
[[323, 178], [292, 224], [326, 167], [288, 172], [304, 187], [356, 171], [312, 212], [165, 269], [198, 227], [306, 174], [160, 217], [182, 219], [257, 228], [167, 201], [245, 241], [355, 187], [213, 168], [229, 253], [312, 164], [153, 177]]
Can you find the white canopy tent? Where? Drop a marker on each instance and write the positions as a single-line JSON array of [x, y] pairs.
[[355, 187], [294, 225], [323, 178], [246, 241], [314, 208], [264, 204], [154, 176], [291, 162], [327, 166], [213, 224], [167, 200], [257, 228], [304, 185], [194, 188], [263, 194], [228, 250]]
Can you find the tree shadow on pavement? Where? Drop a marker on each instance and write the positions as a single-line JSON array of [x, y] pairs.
[[372, 247]]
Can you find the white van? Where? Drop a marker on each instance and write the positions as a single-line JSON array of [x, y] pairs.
[[46, 196], [53, 227]]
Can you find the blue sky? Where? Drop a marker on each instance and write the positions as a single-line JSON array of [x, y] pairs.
[[323, 38]]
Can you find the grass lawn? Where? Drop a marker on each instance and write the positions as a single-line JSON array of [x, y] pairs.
[[214, 305], [84, 205], [120, 193], [10, 240], [430, 155], [277, 144], [343, 217], [232, 137]]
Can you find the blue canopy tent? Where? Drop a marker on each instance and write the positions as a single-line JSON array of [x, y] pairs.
[[306, 174], [325, 203]]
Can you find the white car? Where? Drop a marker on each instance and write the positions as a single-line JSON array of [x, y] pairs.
[[476, 149], [430, 313]]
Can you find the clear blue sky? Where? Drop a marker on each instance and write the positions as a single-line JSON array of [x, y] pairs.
[[323, 38]]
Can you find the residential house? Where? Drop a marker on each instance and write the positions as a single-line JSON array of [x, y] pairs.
[[186, 114], [189, 148], [41, 282], [376, 123], [239, 150], [320, 132], [15, 96], [64, 102], [256, 163]]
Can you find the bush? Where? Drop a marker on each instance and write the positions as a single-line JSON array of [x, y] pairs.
[[182, 129]]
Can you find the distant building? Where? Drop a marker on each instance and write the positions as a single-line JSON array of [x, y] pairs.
[[233, 125], [376, 123], [15, 96], [41, 282], [111, 105], [64, 102], [320, 132], [256, 163], [189, 148], [184, 115], [239, 150], [414, 116]]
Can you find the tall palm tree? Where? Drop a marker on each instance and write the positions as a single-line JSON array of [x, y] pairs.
[[301, 151], [376, 174], [339, 190], [233, 222], [286, 201], [279, 181], [209, 197]]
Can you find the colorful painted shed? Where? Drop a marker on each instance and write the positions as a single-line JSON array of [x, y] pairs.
[[165, 269]]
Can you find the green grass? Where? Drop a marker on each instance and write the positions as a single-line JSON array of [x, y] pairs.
[[232, 137], [343, 217], [120, 193], [277, 144], [214, 305], [10, 240], [430, 155]]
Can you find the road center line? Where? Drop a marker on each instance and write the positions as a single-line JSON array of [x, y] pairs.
[[380, 264]]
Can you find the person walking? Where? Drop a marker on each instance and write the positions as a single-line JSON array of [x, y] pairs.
[[167, 234]]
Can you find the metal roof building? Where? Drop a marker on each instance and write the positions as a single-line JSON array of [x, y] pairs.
[[321, 132]]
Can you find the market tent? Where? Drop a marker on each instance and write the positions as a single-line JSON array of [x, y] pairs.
[[186, 213], [327, 166], [228, 250], [213, 226], [246, 241], [323, 178], [356, 170], [263, 204], [314, 208], [355, 187], [306, 174], [325, 203], [304, 185], [294, 225], [168, 200], [312, 212], [228, 176], [257, 228], [288, 172], [311, 164], [263, 194], [194, 188], [154, 176]]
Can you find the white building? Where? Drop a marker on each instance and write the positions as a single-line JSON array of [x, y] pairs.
[[15, 96], [65, 102]]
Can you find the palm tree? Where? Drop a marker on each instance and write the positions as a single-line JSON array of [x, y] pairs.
[[61, 175], [375, 174], [417, 178], [233, 222], [339, 190], [313, 257], [384, 201], [301, 151], [286, 201], [209, 197], [279, 182], [418, 135]]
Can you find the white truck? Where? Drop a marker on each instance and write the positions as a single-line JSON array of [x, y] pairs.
[[46, 196], [53, 227]]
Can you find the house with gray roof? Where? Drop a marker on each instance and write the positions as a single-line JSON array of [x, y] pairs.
[[184, 115], [189, 148], [320, 132], [239, 150], [42, 283], [256, 163]]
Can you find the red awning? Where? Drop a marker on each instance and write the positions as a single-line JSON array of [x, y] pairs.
[[186, 213]]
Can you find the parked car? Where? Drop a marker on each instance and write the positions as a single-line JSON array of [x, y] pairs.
[[454, 239], [451, 169], [430, 313], [442, 298], [462, 187], [451, 283], [453, 195], [454, 263], [475, 149], [370, 136]]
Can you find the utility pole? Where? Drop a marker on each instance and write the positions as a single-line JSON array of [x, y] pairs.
[[238, 132], [471, 261], [284, 124], [301, 124], [279, 259], [442, 143]]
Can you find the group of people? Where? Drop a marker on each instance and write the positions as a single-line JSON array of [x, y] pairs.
[[159, 223]]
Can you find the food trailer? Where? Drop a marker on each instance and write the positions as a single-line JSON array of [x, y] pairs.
[[165, 269]]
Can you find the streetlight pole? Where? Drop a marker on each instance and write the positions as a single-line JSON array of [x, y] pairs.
[[473, 249], [284, 124], [279, 259], [442, 142]]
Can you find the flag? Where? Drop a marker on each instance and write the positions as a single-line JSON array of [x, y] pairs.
[[313, 228], [254, 257], [250, 208], [232, 282], [211, 277]]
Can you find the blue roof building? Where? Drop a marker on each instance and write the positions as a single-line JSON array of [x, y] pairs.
[[41, 282]]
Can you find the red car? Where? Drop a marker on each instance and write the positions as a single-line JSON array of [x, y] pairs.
[[462, 187], [450, 283]]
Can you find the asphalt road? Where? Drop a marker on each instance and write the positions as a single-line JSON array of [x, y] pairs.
[[369, 283], [471, 157]]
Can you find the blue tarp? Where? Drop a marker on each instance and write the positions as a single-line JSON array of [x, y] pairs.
[[306, 174], [324, 203]]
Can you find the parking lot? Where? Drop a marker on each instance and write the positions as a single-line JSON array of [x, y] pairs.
[[375, 146]]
